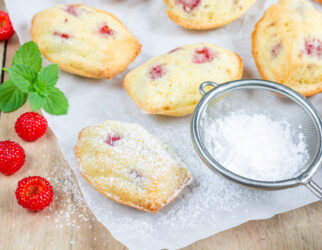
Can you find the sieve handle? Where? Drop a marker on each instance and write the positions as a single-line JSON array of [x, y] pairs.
[[206, 84], [315, 189]]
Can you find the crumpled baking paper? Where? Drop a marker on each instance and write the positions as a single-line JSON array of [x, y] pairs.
[[211, 204]]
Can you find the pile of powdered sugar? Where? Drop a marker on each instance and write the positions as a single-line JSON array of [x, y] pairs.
[[255, 146]]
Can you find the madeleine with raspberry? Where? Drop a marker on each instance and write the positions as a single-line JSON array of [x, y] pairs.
[[84, 40], [287, 46], [169, 84], [127, 164], [34, 193], [206, 14]]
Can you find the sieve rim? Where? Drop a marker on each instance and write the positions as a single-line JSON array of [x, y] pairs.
[[221, 89]]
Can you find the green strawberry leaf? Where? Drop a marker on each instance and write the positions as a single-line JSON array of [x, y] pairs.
[[56, 102], [28, 54], [48, 76], [22, 76], [36, 100], [11, 98]]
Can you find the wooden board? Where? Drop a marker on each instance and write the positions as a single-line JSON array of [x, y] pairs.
[[69, 224]]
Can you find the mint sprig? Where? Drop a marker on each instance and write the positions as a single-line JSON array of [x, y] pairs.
[[27, 79]]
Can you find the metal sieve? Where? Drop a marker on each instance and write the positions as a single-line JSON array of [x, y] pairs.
[[276, 101]]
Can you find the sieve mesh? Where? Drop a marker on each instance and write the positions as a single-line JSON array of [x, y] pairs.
[[276, 106]]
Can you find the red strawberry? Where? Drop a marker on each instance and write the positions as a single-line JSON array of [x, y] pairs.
[[31, 126], [6, 29], [34, 193], [12, 157]]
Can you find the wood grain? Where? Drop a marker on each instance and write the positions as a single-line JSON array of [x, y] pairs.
[[20, 229]]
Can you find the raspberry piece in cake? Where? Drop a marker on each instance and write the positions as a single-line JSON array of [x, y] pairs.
[[174, 50], [111, 139], [203, 55], [157, 72], [106, 30], [189, 5], [313, 47], [135, 174], [71, 9], [62, 35], [276, 50]]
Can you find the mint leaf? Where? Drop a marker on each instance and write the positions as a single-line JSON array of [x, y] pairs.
[[56, 102], [28, 54], [11, 98], [48, 76], [22, 76], [36, 100], [27, 79]]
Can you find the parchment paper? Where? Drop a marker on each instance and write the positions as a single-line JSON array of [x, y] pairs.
[[211, 204]]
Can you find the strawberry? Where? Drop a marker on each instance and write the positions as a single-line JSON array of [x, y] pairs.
[[31, 126], [34, 193], [6, 29], [12, 157]]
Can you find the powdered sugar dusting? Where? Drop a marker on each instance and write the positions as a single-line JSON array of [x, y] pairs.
[[70, 208], [256, 147]]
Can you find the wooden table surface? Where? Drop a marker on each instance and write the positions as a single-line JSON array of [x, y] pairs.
[[68, 223]]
